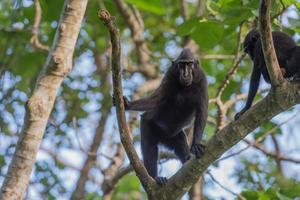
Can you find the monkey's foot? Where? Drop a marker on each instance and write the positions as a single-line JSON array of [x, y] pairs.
[[161, 180], [198, 150]]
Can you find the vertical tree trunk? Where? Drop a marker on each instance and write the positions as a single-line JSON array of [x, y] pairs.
[[196, 192], [39, 106]]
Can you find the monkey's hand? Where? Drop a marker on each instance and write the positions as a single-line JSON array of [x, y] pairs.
[[125, 100], [198, 149], [161, 180]]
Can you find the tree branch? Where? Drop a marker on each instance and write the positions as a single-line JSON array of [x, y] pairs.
[[136, 25], [126, 140], [35, 29], [267, 43], [112, 173], [40, 104], [279, 99], [275, 155]]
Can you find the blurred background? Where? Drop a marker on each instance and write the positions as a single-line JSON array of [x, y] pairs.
[[81, 155]]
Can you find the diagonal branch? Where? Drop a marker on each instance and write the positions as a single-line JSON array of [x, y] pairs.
[[40, 104], [278, 100], [112, 173], [267, 43], [126, 140]]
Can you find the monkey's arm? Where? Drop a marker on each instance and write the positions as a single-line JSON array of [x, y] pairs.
[[143, 104], [199, 124], [254, 83]]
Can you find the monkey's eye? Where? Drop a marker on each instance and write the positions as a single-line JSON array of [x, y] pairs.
[[191, 65]]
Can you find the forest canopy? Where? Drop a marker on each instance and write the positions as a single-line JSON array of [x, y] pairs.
[[59, 135]]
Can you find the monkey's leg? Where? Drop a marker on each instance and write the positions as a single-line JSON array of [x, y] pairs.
[[180, 146], [149, 148], [149, 145]]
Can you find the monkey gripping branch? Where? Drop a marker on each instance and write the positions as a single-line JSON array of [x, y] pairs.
[[281, 97]]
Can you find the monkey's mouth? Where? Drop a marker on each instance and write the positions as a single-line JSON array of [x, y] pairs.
[[186, 81]]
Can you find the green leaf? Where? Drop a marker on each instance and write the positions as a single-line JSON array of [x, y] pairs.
[[292, 192], [129, 183], [208, 34], [92, 196], [263, 196], [2, 160], [250, 195], [288, 2], [283, 197], [129, 187], [236, 15], [154, 6], [187, 27]]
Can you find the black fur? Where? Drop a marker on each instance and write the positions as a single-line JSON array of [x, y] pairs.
[[181, 96], [288, 55]]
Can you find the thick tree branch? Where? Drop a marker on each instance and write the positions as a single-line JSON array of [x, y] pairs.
[[40, 104], [126, 140], [267, 43], [278, 100]]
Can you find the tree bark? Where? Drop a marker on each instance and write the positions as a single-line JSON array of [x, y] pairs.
[[40, 104], [139, 168], [196, 192], [267, 43]]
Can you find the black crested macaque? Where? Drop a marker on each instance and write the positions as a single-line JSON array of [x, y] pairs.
[[181, 96], [288, 55]]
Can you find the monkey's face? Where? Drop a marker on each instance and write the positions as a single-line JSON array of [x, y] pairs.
[[186, 72], [250, 41]]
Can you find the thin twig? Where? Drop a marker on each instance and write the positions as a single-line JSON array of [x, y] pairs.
[[221, 110], [225, 188], [35, 29]]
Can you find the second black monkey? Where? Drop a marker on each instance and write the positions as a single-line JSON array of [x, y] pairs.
[[181, 96], [288, 55]]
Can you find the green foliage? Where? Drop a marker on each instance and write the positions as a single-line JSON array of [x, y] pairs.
[[2, 160], [92, 196], [285, 193], [79, 102], [154, 6], [128, 188]]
